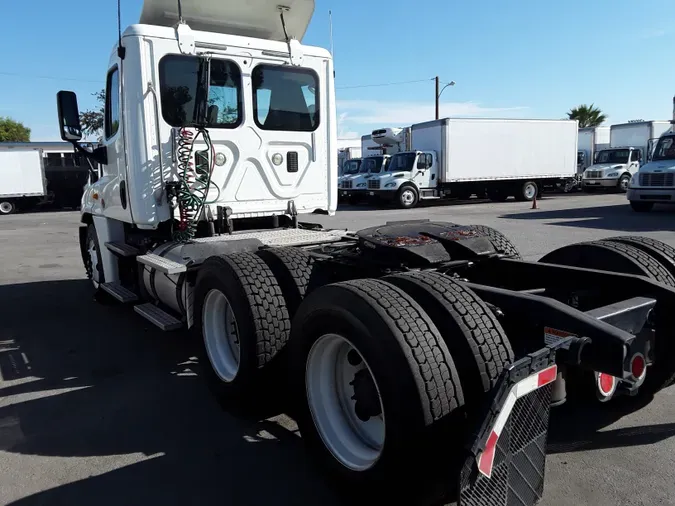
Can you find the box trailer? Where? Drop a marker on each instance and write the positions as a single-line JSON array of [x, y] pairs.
[[591, 140], [461, 157], [22, 178]]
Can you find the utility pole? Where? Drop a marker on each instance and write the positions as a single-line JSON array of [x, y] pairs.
[[438, 96]]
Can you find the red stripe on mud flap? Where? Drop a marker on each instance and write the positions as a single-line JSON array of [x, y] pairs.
[[487, 458], [547, 376]]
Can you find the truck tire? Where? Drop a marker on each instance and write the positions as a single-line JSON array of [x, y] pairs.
[[622, 185], [527, 191], [407, 197], [660, 251], [641, 207], [621, 257], [292, 268], [7, 207], [367, 341], [500, 242], [241, 321], [473, 335]]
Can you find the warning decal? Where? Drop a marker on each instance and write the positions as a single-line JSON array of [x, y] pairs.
[[552, 336]]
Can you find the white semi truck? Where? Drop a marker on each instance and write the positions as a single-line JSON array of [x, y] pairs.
[[22, 178], [460, 157], [390, 342], [591, 140], [631, 144], [655, 181]]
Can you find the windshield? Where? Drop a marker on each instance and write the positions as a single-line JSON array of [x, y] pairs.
[[401, 161], [351, 166], [665, 149], [613, 156], [371, 165]]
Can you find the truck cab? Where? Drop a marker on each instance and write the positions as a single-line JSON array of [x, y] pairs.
[[612, 169], [371, 167], [655, 181], [409, 177], [350, 170]]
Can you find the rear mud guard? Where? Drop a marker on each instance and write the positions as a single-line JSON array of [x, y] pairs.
[[507, 456]]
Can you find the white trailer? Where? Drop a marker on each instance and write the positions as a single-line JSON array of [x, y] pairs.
[[220, 135], [631, 144], [500, 157], [591, 140], [22, 178]]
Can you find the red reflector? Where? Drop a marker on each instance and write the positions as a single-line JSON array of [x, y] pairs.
[[637, 366], [487, 458], [547, 376], [606, 383]]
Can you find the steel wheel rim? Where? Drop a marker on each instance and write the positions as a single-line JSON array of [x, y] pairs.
[[93, 262], [5, 207], [221, 335], [530, 191], [624, 183], [407, 197], [329, 376]]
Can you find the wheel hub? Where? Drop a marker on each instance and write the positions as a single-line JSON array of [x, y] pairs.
[[367, 402]]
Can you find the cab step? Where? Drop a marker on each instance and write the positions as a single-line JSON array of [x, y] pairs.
[[119, 292], [158, 317], [122, 249], [161, 264]]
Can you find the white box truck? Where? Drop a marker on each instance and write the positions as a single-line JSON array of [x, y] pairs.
[[22, 178], [655, 181], [630, 144], [461, 157], [591, 140]]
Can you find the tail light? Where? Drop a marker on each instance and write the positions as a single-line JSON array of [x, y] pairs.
[[638, 366]]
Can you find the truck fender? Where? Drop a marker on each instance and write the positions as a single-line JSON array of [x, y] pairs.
[[82, 233]]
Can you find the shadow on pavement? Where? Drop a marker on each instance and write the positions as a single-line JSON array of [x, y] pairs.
[[615, 217], [84, 380]]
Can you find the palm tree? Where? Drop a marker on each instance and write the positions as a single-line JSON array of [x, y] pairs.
[[587, 115]]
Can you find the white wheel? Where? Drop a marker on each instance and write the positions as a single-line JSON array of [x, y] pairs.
[[345, 402], [92, 251], [529, 191], [221, 335], [6, 207]]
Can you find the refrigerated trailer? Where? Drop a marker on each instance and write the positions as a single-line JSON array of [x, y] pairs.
[[416, 356], [22, 178], [460, 157]]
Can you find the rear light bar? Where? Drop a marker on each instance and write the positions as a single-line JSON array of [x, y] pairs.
[[524, 387]]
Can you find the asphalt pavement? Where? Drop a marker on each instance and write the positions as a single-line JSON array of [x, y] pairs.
[[99, 407]]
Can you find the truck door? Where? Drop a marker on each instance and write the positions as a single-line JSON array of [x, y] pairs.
[[115, 193], [635, 159], [425, 172]]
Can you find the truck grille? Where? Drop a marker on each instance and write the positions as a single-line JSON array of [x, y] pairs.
[[374, 184], [347, 185], [656, 179], [593, 174]]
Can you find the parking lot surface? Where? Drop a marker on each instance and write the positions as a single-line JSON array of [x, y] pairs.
[[99, 407]]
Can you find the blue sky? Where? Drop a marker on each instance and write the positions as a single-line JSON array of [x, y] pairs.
[[525, 58]]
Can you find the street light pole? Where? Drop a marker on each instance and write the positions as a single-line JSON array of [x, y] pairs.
[[438, 94]]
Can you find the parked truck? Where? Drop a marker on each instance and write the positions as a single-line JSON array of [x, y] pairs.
[[655, 181], [630, 145], [417, 356], [460, 157], [591, 140], [346, 154], [22, 178]]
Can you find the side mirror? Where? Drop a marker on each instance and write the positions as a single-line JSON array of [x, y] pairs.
[[69, 116]]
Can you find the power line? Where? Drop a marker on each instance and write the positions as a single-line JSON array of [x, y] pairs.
[[382, 84]]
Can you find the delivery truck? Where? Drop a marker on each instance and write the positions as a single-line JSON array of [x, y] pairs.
[[22, 178], [591, 140], [500, 157], [631, 144]]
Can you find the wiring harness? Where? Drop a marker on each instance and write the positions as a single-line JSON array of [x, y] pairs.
[[194, 181]]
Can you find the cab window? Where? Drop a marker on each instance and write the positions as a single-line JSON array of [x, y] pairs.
[[112, 103], [285, 98]]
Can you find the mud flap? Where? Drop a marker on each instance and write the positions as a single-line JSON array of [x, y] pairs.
[[507, 455]]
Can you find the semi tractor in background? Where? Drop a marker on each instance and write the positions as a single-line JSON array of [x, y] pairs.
[[420, 359], [631, 144], [455, 157], [591, 140]]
